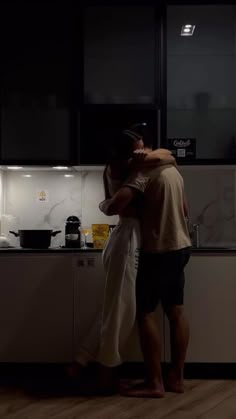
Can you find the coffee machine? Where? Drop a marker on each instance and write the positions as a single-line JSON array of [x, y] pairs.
[[72, 232]]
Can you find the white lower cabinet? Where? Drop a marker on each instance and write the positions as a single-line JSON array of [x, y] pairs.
[[89, 284], [36, 308], [210, 305], [51, 307]]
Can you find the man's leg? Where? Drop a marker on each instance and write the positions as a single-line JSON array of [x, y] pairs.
[[151, 348], [179, 338], [173, 300], [147, 298]]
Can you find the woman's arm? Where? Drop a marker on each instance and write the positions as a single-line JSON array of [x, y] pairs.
[[119, 201], [148, 158]]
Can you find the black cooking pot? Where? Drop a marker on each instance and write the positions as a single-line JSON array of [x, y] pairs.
[[35, 239]]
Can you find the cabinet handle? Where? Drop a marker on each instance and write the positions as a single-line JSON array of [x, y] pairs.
[[86, 263], [80, 263], [158, 128]]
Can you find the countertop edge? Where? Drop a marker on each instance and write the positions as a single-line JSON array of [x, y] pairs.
[[50, 250], [195, 251]]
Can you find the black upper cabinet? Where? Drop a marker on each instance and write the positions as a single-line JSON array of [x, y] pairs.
[[101, 127], [36, 83], [119, 54], [201, 101], [119, 82], [63, 95]]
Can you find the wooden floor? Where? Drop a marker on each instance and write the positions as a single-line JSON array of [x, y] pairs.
[[206, 399]]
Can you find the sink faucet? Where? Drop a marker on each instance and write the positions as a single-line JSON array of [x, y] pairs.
[[196, 235]]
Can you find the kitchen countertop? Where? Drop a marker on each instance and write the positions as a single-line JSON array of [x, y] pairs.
[[212, 249], [49, 250], [205, 250]]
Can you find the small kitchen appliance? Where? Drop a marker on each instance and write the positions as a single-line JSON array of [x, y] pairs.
[[72, 232]]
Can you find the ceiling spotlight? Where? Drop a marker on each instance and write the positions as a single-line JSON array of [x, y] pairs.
[[14, 167], [60, 167], [68, 175], [26, 175], [187, 30]]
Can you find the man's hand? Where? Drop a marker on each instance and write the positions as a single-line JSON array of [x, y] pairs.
[[118, 202]]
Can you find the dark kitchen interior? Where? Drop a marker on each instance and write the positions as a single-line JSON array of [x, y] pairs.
[[72, 77]]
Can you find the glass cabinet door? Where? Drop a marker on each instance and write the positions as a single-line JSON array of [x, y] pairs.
[[101, 128], [119, 51], [201, 81]]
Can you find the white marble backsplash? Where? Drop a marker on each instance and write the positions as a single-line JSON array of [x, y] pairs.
[[211, 194], [64, 196]]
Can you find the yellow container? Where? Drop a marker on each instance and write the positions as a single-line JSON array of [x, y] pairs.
[[100, 234]]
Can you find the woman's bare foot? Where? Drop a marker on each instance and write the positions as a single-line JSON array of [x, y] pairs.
[[145, 389]]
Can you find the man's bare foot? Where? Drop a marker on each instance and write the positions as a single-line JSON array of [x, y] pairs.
[[145, 389], [174, 383]]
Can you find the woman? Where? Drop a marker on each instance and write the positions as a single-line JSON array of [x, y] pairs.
[[114, 174], [120, 259]]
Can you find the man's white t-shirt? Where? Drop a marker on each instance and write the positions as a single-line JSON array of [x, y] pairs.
[[163, 223]]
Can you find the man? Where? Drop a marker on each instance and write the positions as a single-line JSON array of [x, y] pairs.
[[165, 252]]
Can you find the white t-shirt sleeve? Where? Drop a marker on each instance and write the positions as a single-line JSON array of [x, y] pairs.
[[138, 181]]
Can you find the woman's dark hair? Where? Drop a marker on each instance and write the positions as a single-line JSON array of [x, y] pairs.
[[143, 129], [122, 149], [105, 183]]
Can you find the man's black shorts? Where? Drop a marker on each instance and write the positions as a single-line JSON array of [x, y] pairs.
[[161, 278]]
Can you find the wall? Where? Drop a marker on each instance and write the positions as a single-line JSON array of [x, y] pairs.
[[210, 192]]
